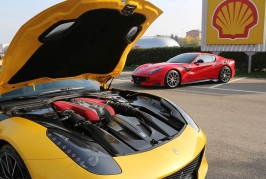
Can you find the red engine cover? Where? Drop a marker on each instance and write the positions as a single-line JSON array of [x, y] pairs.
[[98, 102], [88, 113]]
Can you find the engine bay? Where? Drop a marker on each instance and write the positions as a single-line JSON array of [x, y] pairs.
[[118, 122]]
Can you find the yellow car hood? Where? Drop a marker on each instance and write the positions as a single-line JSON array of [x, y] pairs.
[[87, 39]]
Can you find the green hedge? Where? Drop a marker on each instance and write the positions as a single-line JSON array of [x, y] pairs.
[[155, 55], [258, 60]]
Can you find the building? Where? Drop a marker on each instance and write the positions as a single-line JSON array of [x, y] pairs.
[[155, 42], [194, 34]]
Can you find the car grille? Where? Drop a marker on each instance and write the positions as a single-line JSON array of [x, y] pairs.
[[139, 79], [189, 171]]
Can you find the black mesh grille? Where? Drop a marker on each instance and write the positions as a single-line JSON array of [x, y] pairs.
[[189, 171], [139, 79]]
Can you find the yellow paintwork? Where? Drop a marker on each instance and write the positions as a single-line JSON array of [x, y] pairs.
[[41, 156], [29, 139], [45, 160], [25, 43]]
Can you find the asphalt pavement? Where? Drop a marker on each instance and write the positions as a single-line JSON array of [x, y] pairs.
[[232, 115]]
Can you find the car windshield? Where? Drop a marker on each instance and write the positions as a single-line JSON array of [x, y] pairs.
[[51, 86], [183, 58]]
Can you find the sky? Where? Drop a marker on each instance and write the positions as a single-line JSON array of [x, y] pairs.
[[179, 16]]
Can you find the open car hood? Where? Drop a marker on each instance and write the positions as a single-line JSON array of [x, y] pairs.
[[76, 39]]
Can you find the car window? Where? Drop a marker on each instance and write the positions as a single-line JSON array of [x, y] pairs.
[[207, 58], [43, 87], [183, 58]]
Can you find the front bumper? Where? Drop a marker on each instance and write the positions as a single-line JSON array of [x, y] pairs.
[[159, 162], [148, 81]]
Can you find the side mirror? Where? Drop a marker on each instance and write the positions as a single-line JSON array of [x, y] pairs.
[[199, 61]]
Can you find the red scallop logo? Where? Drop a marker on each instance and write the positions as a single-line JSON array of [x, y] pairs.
[[235, 18]]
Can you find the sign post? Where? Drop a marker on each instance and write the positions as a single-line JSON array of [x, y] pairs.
[[250, 54]]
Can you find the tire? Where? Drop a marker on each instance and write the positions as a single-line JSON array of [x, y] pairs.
[[11, 165], [225, 74], [172, 79]]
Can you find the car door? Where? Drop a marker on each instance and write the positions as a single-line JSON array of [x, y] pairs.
[[203, 67]]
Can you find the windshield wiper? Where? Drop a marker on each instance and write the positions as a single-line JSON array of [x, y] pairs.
[[60, 90]]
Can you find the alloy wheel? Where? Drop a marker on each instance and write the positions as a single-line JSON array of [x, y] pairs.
[[172, 79], [225, 74], [9, 167]]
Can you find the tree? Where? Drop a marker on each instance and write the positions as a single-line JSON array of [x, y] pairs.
[[180, 40], [188, 39], [172, 36], [176, 38], [196, 40]]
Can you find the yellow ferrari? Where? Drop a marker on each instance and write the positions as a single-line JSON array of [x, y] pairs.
[[57, 122]]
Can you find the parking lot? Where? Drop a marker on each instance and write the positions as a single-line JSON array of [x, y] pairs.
[[232, 115]]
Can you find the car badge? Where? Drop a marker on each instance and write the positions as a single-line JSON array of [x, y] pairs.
[[142, 134], [175, 151]]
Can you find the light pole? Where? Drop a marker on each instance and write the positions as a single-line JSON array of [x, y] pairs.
[[182, 37]]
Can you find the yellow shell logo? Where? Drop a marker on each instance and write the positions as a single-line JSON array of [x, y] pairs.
[[235, 18]]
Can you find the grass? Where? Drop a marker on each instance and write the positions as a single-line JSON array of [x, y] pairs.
[[253, 74], [239, 73], [130, 68]]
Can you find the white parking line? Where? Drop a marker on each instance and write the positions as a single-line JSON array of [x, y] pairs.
[[123, 79], [228, 82], [197, 92], [244, 91]]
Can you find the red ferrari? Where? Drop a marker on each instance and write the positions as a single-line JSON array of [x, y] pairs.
[[185, 68]]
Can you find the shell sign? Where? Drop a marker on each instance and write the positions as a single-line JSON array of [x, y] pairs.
[[235, 22]]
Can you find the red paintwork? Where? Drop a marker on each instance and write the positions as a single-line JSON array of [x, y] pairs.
[[88, 113], [197, 72], [97, 102]]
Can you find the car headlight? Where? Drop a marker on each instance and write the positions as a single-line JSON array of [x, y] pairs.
[[85, 155], [188, 119], [155, 70]]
